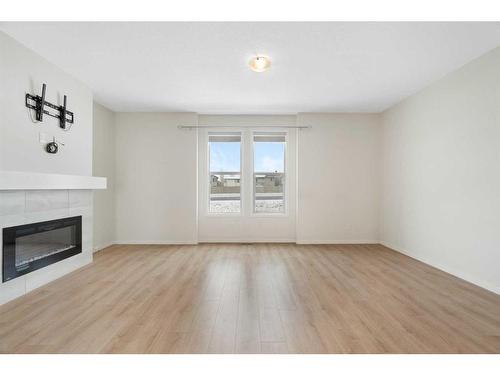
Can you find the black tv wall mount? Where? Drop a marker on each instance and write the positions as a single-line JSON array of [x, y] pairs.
[[38, 103]]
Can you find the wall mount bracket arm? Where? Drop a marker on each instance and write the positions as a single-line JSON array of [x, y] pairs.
[[38, 103]]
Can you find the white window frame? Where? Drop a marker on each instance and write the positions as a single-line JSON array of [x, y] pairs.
[[208, 174], [247, 184], [285, 212]]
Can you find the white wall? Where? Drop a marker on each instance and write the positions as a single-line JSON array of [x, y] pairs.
[[156, 178], [441, 174], [246, 227], [338, 178], [23, 71], [339, 181], [104, 165]]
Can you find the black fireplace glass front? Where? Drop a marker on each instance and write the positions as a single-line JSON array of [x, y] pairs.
[[33, 246]]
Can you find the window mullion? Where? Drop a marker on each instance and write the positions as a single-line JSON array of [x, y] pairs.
[[247, 170]]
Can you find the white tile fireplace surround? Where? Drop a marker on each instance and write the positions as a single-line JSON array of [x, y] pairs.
[[36, 200]]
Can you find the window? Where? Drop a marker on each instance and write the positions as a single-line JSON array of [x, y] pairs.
[[269, 172], [225, 172]]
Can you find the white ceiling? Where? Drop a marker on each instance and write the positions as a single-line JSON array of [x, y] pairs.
[[202, 67]]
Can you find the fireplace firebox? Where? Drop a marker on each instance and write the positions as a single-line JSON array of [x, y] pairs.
[[33, 246]]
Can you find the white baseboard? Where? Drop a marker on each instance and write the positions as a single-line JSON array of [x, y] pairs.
[[246, 240], [336, 242], [103, 246], [155, 242], [243, 240], [457, 273]]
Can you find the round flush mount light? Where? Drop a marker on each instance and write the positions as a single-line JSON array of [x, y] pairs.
[[259, 63]]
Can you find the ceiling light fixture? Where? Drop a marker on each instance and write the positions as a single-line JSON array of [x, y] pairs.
[[260, 63]]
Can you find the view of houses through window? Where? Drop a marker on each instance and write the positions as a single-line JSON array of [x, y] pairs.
[[268, 172]]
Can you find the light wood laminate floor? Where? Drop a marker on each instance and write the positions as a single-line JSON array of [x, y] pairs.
[[258, 298]]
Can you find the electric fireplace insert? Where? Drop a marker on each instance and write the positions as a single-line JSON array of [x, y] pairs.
[[32, 246]]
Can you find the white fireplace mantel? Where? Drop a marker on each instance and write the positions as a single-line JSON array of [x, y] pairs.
[[48, 181]]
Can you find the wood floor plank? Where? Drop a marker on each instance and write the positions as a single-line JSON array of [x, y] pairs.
[[223, 339], [274, 348], [258, 298]]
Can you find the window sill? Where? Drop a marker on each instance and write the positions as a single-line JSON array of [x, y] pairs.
[[223, 214], [269, 214], [252, 215]]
